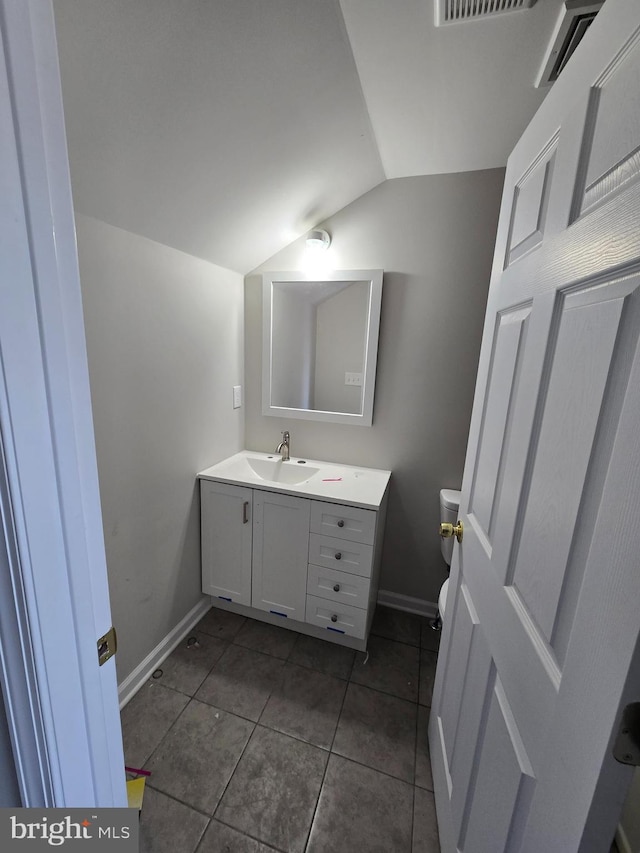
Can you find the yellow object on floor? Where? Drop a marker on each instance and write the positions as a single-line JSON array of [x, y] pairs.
[[135, 792]]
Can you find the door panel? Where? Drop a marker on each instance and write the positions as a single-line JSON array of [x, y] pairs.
[[610, 158], [530, 203], [509, 343], [562, 446], [504, 783]]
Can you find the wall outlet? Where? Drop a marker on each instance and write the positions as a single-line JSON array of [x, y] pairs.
[[353, 379], [237, 396]]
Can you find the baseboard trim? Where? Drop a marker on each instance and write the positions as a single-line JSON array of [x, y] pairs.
[[408, 603], [132, 683]]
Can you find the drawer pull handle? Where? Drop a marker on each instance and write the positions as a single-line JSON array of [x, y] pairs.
[[338, 556], [334, 618], [336, 587], [341, 523]]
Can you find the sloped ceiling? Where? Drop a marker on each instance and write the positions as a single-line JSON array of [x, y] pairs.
[[227, 128]]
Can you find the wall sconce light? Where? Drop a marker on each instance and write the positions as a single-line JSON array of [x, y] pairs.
[[318, 240]]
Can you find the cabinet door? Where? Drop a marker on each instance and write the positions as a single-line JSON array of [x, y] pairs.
[[225, 513], [280, 554]]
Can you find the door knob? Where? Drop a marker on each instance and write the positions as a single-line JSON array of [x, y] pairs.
[[447, 530]]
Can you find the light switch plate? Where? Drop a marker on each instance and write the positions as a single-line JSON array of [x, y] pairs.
[[237, 396]]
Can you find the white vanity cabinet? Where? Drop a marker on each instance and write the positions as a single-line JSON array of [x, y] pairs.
[[226, 538], [255, 548], [304, 563], [280, 546], [340, 592]]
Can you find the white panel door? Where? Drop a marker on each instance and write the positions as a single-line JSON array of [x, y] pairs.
[[280, 554], [539, 651], [226, 537]]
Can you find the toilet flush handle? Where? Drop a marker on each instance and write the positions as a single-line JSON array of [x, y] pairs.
[[447, 530]]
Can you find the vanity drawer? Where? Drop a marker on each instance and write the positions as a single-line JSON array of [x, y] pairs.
[[343, 522], [353, 557], [338, 618], [338, 586]]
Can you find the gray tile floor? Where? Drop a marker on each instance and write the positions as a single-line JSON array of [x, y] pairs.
[[259, 739]]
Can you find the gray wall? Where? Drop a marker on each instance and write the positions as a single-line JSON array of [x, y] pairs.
[[434, 238], [164, 340]]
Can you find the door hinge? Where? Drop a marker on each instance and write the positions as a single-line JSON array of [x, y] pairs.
[[107, 646], [626, 748]]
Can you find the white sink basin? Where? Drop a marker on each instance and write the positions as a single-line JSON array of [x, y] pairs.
[[327, 481], [277, 471]]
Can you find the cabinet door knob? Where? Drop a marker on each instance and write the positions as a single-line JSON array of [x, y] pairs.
[[338, 556], [334, 618], [341, 523], [336, 587]]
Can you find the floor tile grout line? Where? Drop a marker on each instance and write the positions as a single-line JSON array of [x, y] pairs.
[[387, 693], [326, 766], [193, 699], [324, 671], [158, 681], [199, 842], [232, 774], [395, 640], [415, 765], [315, 669], [165, 735], [413, 814], [293, 737], [177, 800], [248, 835], [183, 692], [195, 808]]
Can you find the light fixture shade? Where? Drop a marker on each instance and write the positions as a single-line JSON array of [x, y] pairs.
[[318, 240]]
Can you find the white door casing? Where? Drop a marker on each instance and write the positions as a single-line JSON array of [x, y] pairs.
[[62, 706], [540, 647]]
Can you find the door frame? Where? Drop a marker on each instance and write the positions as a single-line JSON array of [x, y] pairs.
[[62, 707]]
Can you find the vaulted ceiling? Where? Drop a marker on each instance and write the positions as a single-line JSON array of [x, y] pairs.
[[227, 128]]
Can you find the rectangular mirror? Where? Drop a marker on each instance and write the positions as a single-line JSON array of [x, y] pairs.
[[320, 345]]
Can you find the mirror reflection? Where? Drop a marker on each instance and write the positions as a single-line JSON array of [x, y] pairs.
[[320, 345]]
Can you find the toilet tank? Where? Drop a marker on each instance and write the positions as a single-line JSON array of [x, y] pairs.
[[449, 507]]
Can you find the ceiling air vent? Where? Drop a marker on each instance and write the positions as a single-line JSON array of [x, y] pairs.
[[458, 11], [575, 19]]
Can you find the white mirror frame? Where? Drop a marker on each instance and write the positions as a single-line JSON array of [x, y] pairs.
[[365, 418]]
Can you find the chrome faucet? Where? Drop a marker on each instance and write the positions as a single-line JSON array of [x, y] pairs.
[[283, 447]]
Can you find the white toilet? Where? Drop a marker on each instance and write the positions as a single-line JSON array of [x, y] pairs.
[[449, 507]]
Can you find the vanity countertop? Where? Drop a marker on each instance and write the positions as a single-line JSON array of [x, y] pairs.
[[309, 478]]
